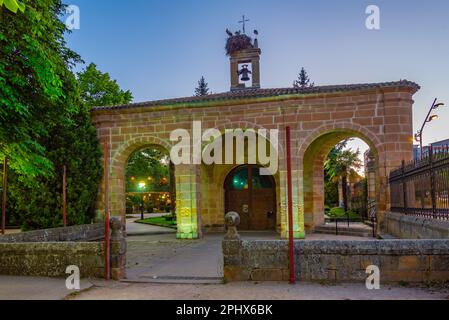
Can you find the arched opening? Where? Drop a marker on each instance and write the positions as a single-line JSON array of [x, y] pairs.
[[214, 178], [340, 178], [150, 186], [345, 180], [253, 196]]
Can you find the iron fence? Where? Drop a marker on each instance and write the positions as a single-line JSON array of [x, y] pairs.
[[421, 188]]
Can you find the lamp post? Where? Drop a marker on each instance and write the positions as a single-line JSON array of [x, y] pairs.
[[141, 188], [429, 118]]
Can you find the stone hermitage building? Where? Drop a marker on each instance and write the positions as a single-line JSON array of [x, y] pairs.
[[378, 113]]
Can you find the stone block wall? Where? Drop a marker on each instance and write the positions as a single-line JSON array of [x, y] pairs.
[[345, 261], [50, 259], [410, 227], [89, 232], [40, 254]]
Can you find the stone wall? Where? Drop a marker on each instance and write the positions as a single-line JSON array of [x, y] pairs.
[[48, 258], [410, 227], [398, 260], [89, 232]]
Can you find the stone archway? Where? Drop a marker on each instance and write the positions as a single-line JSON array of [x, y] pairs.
[[313, 153], [213, 177]]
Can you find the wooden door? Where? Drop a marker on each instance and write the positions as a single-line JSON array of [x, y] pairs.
[[253, 197]]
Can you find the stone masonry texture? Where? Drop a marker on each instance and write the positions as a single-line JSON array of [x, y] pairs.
[[411, 261]]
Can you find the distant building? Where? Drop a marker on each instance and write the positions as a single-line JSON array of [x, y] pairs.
[[440, 145]]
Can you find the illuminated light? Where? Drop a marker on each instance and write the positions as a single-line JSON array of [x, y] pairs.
[[435, 117], [142, 185]]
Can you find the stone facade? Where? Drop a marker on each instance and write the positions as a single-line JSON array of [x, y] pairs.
[[380, 114], [409, 227], [345, 261]]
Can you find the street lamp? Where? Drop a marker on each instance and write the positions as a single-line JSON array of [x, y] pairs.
[[429, 118], [141, 188]]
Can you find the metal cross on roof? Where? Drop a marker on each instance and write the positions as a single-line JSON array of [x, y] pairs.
[[244, 22]]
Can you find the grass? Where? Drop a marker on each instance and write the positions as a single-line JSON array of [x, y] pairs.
[[340, 213], [159, 221]]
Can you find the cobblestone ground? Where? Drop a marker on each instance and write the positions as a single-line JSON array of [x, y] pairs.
[[259, 291]]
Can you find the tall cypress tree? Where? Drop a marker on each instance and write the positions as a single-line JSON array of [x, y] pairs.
[[202, 89]]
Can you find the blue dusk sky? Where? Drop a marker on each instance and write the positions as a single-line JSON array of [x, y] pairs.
[[159, 49]]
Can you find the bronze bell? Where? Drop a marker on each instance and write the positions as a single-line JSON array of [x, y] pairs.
[[245, 73]]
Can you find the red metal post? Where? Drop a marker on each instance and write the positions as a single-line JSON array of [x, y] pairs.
[[64, 195], [107, 247], [290, 208], [5, 176]]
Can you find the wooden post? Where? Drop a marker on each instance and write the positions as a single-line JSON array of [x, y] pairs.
[[64, 195], [290, 208], [107, 245], [5, 176]]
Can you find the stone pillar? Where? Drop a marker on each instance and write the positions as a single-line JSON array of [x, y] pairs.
[[118, 249], [187, 202], [298, 206]]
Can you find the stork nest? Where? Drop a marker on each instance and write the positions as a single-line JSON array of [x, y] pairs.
[[238, 43]]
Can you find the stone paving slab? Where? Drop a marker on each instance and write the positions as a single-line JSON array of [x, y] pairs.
[[37, 288]]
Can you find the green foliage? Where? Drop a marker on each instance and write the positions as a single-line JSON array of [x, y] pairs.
[[341, 163], [167, 221], [341, 213], [13, 5], [331, 193], [303, 80], [98, 89], [148, 163], [202, 89], [44, 124], [35, 81]]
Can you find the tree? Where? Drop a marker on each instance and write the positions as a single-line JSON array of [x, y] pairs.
[[98, 89], [148, 163], [341, 165], [34, 71], [13, 5], [303, 80], [202, 89], [44, 123]]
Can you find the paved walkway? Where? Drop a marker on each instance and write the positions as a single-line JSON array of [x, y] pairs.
[[258, 291], [36, 288], [155, 255]]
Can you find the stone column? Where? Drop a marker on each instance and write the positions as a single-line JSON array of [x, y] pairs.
[[118, 250], [298, 206], [187, 201]]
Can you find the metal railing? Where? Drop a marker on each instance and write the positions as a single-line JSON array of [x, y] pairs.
[[421, 188]]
